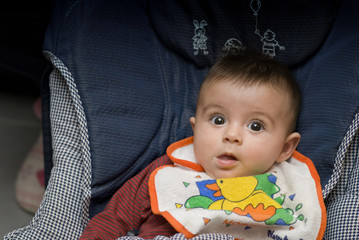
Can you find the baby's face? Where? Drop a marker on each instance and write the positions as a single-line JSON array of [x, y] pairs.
[[240, 131]]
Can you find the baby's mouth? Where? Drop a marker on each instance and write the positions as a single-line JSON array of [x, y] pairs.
[[227, 157], [226, 160]]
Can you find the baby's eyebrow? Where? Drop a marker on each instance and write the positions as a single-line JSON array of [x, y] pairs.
[[263, 114], [212, 106]]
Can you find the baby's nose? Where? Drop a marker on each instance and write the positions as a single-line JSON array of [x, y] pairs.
[[232, 136]]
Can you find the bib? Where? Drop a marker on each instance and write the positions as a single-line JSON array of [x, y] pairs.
[[283, 203]]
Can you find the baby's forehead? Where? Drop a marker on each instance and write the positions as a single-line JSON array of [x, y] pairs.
[[214, 86], [281, 89], [283, 95]]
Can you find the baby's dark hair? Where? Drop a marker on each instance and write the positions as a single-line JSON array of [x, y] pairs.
[[252, 69]]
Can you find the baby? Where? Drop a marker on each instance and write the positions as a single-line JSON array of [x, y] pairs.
[[246, 116], [238, 175]]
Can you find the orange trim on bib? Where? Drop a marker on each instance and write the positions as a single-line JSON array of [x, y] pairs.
[[177, 145], [315, 175], [154, 205]]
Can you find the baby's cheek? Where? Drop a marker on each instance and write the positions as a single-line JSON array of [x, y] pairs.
[[260, 161]]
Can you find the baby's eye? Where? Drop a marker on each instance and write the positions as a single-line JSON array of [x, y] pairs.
[[218, 120], [256, 126]]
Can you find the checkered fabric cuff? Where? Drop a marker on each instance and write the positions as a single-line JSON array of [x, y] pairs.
[[342, 191], [63, 212]]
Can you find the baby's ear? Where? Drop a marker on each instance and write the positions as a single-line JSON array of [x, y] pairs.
[[192, 121], [289, 147]]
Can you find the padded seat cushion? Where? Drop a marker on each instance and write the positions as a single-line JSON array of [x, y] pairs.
[[329, 82], [138, 66]]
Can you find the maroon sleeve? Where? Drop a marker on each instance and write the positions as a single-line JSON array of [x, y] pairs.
[[130, 209]]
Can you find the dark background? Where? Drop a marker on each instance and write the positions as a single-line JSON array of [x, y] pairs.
[[22, 28]]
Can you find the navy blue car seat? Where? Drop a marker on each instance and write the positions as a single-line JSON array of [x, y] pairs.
[[123, 83]]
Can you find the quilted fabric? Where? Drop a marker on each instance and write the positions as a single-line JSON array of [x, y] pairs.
[[329, 83]]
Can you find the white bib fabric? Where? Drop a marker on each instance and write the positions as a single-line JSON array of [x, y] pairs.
[[284, 203]]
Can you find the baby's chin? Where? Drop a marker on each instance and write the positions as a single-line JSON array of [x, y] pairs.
[[226, 174]]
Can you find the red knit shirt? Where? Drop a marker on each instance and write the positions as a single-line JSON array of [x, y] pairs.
[[130, 209]]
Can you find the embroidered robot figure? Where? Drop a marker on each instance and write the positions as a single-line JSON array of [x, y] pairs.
[[199, 38]]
